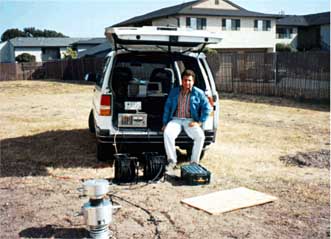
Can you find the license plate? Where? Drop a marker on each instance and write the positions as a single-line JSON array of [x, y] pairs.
[[132, 105]]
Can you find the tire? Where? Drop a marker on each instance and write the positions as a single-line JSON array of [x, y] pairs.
[[105, 153], [91, 125]]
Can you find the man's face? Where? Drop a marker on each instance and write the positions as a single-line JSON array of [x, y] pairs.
[[187, 82]]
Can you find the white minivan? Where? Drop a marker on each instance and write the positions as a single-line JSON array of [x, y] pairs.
[[129, 96]]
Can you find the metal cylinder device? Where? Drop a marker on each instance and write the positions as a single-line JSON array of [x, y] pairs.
[[98, 210]]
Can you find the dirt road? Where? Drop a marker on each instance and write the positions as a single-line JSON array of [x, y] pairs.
[[46, 150]]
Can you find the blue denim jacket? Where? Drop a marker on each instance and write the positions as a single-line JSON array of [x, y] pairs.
[[199, 105]]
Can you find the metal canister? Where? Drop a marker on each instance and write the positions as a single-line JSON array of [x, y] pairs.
[[96, 188], [98, 213]]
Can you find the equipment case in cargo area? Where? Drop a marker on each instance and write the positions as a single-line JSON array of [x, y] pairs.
[[195, 174]]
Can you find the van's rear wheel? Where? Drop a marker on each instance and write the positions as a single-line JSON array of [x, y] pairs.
[[91, 122], [105, 153]]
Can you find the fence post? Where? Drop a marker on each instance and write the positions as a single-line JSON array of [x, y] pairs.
[[61, 65], [275, 68], [81, 60], [72, 69], [233, 71], [22, 68]]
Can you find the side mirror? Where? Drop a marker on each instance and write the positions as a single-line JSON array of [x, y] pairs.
[[90, 77]]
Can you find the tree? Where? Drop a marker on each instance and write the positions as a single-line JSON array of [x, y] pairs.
[[12, 33], [25, 57], [50, 33], [33, 32], [29, 32], [70, 54]]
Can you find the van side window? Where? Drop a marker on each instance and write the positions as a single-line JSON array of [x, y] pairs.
[[100, 77]]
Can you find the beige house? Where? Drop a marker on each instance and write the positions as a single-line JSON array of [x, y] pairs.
[[242, 30]]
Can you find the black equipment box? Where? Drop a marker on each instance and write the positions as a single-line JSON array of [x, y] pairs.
[[125, 168], [194, 174], [154, 166]]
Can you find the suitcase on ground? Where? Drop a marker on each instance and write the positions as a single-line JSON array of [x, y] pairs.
[[194, 174]]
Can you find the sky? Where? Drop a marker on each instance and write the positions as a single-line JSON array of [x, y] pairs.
[[88, 18]]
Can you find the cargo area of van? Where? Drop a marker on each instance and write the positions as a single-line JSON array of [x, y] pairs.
[[140, 85]]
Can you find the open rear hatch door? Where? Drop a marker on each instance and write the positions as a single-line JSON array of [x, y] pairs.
[[160, 38]]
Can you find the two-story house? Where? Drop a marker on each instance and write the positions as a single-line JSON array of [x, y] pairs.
[[242, 30]]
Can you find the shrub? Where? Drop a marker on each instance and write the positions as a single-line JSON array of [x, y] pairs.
[[281, 47], [70, 54], [25, 57], [208, 50]]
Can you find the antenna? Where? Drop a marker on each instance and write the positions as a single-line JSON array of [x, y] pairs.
[[282, 12]]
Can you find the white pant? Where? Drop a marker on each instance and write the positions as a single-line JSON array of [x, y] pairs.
[[171, 132]]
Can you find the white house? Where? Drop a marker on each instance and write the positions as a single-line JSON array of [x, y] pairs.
[[44, 49], [242, 30], [306, 32]]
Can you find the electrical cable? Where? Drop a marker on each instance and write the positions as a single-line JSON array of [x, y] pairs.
[[126, 168], [152, 218], [157, 175], [156, 167], [114, 144]]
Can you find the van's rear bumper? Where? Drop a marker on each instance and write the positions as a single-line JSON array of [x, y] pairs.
[[146, 138]]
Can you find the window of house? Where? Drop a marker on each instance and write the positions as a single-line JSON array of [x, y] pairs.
[[266, 25], [188, 22], [284, 33], [231, 24], [50, 53], [178, 22], [262, 25], [217, 2], [196, 23], [223, 24], [201, 23], [235, 24]]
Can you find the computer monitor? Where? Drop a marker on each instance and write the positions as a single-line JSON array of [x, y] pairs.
[[136, 90]]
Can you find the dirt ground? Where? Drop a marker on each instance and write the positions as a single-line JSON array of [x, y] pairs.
[[47, 150]]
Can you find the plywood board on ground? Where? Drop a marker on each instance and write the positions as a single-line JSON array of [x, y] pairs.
[[228, 200]]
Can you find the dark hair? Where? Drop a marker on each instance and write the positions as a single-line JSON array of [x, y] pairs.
[[188, 72]]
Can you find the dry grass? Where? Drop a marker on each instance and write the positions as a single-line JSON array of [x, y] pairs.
[[46, 149]]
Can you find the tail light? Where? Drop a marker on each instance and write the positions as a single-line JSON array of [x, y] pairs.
[[105, 105]]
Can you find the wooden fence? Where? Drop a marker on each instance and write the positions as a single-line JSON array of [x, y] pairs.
[[300, 75], [62, 70]]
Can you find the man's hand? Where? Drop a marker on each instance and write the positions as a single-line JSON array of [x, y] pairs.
[[163, 128], [194, 123]]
